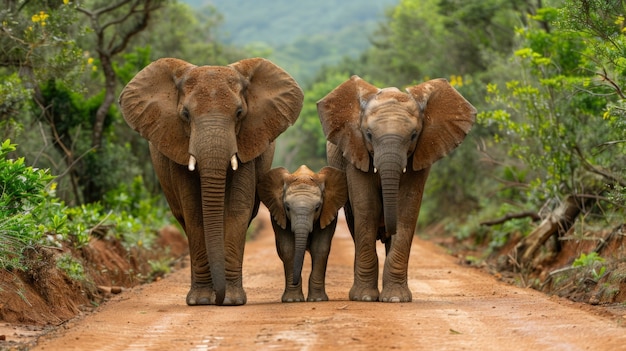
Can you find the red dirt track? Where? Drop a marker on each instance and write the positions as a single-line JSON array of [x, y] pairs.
[[454, 308]]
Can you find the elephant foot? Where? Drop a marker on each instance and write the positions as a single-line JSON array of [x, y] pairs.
[[200, 296], [317, 292], [317, 297], [293, 295], [396, 293], [367, 294], [235, 296]]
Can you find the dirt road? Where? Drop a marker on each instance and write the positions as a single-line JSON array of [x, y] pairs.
[[453, 308]]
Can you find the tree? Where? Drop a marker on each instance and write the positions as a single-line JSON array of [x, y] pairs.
[[113, 25], [37, 43], [562, 118]]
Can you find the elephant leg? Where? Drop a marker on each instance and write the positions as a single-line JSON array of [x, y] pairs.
[[366, 209], [240, 202], [395, 274], [178, 185], [321, 240], [285, 246]]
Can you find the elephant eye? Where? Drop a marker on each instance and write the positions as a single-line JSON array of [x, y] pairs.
[[414, 136], [239, 112], [317, 206], [185, 114], [287, 207], [368, 135]]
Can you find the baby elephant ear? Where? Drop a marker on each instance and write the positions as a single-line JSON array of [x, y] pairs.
[[340, 115], [335, 194], [270, 190], [447, 118]]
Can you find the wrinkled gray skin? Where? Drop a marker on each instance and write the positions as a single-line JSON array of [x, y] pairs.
[[211, 131], [386, 141], [304, 208]]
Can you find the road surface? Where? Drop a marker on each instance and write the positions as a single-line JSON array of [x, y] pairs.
[[454, 308]]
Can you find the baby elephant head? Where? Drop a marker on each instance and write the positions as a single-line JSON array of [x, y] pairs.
[[303, 202]]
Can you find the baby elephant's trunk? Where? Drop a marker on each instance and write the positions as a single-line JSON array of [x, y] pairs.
[[302, 238]]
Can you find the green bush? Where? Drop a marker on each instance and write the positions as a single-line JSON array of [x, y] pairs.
[[22, 198], [31, 214]]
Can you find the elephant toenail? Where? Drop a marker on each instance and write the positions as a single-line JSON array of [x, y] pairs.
[[203, 301]]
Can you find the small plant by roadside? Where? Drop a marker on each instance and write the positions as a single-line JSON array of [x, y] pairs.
[[591, 261]]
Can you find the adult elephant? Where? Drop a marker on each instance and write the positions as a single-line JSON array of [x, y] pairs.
[[211, 131], [386, 141]]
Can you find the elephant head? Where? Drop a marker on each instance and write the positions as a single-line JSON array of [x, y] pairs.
[[388, 131], [301, 201], [211, 118]]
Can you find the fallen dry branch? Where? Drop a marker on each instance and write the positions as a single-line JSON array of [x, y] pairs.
[[557, 223], [533, 215]]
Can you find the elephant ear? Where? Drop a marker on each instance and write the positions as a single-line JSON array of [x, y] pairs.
[[274, 102], [447, 118], [335, 194], [340, 115], [270, 190], [149, 105]]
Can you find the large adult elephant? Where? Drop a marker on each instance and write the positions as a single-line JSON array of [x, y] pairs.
[[386, 141], [211, 131]]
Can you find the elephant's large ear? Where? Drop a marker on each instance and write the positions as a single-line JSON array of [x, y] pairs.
[[447, 118], [270, 190], [335, 194], [274, 101], [340, 114], [149, 105]]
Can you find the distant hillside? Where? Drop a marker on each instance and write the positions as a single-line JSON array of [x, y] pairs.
[[302, 35]]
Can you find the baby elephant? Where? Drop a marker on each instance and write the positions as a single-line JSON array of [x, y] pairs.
[[304, 207]]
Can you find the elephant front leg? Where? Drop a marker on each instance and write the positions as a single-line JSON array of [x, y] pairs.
[[395, 274], [285, 245], [395, 281], [320, 249], [240, 203], [365, 286], [201, 291], [179, 186]]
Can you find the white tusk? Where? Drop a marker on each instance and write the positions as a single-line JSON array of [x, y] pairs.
[[404, 170], [192, 163], [375, 170], [233, 163]]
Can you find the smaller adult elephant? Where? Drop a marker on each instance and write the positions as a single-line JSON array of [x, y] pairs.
[[386, 141], [304, 207], [211, 131]]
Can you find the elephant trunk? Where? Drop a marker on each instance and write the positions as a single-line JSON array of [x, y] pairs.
[[390, 165], [390, 183], [214, 159], [301, 233], [213, 183]]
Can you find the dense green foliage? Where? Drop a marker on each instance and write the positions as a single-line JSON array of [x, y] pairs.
[[32, 215]]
